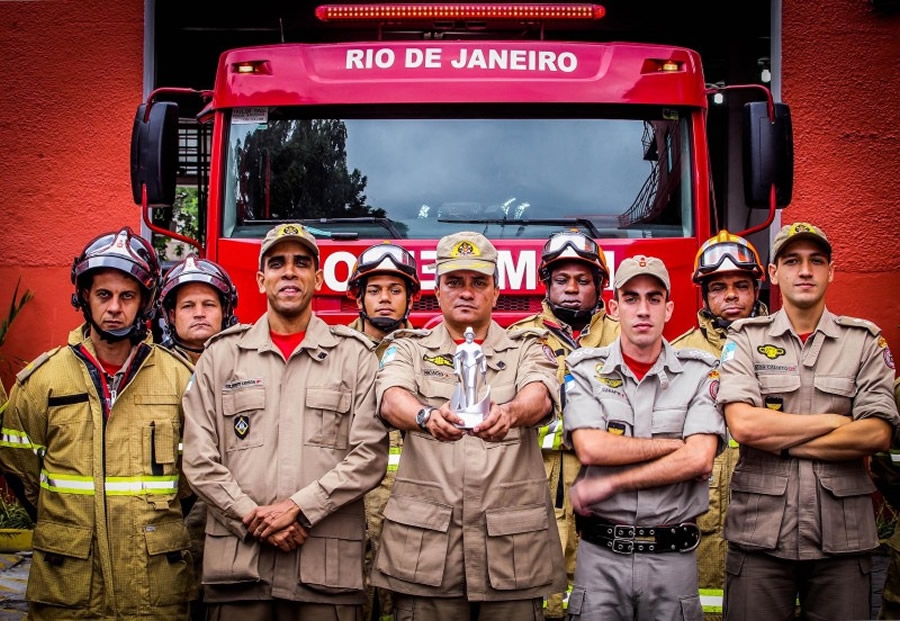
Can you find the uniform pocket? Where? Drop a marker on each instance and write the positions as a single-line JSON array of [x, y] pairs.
[[328, 417], [518, 547], [778, 384], [848, 522], [170, 566], [691, 609], [331, 560], [415, 537], [668, 422], [838, 393], [242, 408], [712, 520], [227, 559], [61, 566], [756, 509]]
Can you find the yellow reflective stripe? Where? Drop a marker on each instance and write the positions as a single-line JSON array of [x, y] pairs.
[[733, 443], [394, 458], [67, 483], [550, 436], [13, 438], [113, 486], [136, 486], [711, 600]]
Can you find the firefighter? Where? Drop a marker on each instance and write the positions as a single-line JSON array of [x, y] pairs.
[[574, 272], [93, 431], [728, 271], [808, 395], [643, 421], [468, 530], [282, 443], [384, 283], [197, 300], [886, 474]]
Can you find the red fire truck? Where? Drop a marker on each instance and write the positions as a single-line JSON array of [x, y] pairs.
[[460, 117]]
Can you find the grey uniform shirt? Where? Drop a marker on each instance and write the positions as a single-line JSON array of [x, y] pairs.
[[675, 399]]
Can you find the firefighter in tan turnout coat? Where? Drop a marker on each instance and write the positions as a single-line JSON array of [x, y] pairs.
[[93, 431]]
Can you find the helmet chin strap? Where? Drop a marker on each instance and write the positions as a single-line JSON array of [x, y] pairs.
[[385, 324], [134, 333], [721, 322]]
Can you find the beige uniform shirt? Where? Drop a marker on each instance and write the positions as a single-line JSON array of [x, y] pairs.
[[561, 341], [260, 429], [469, 518], [707, 336], [675, 399], [793, 508]]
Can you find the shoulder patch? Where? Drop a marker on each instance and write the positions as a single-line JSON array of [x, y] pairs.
[[348, 332], [235, 329], [587, 353], [521, 333], [856, 322], [33, 366], [696, 354]]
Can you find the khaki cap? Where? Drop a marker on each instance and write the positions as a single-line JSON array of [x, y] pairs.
[[795, 231], [639, 265], [287, 232], [466, 251]]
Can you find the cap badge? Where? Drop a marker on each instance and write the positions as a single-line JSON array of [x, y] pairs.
[[642, 262], [465, 249], [800, 228], [288, 229]]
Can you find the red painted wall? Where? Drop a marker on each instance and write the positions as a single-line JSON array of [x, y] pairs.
[[72, 77], [840, 76]]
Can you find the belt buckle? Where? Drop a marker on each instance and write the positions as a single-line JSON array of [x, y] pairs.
[[695, 530], [623, 546], [623, 531]]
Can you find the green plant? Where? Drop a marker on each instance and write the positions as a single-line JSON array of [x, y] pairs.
[[13, 514], [15, 307], [183, 218]]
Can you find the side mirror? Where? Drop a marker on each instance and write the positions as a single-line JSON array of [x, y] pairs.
[[768, 154], [154, 153]]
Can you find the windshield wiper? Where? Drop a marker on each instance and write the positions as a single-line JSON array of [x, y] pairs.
[[583, 222], [310, 223]]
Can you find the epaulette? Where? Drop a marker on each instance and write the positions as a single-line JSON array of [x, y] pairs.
[[520, 333], [32, 366], [587, 353], [348, 332], [235, 329], [752, 321], [177, 355], [696, 354], [532, 319], [416, 333], [856, 322]]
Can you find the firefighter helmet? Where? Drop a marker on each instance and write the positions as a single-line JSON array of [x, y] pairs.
[[384, 258], [126, 252], [725, 252], [196, 270], [573, 245]]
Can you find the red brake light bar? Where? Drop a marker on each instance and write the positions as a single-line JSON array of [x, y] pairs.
[[447, 12]]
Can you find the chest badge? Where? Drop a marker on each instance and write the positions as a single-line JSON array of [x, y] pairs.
[[612, 382], [770, 351], [241, 426]]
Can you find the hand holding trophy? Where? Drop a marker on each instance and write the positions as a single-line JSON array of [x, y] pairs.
[[470, 367]]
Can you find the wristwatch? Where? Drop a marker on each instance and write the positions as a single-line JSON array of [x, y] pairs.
[[423, 417]]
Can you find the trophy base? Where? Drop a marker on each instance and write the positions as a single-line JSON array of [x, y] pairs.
[[470, 419], [473, 414]]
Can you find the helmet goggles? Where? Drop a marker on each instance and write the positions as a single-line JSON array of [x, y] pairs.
[[743, 257], [386, 257], [572, 244]]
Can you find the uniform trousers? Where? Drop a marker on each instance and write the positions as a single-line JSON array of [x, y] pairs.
[[634, 587], [413, 608], [762, 586], [282, 610]]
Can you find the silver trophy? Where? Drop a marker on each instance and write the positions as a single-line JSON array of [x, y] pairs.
[[470, 367]]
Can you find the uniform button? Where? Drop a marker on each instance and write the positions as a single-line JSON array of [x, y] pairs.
[[322, 355], [501, 365]]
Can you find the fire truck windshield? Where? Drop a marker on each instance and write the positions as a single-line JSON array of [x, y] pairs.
[[510, 175]]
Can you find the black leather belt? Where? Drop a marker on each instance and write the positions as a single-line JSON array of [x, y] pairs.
[[629, 539]]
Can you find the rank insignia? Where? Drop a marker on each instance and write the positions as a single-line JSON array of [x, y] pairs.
[[241, 426], [713, 375], [612, 382], [774, 403], [770, 351], [615, 428], [882, 342]]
